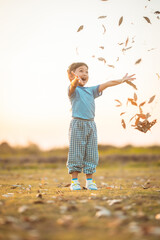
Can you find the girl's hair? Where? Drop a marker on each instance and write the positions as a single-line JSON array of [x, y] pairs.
[[76, 65]]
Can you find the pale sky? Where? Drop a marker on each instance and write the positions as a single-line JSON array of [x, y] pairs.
[[38, 42]]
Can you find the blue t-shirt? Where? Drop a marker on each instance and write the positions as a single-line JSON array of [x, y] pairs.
[[82, 101]]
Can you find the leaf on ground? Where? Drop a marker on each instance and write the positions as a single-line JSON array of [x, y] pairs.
[[138, 61], [120, 21], [131, 84], [111, 202], [147, 19], [102, 212], [80, 28], [120, 104], [123, 123], [102, 59], [151, 99], [23, 208]]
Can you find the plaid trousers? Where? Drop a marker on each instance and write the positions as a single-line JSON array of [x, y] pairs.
[[83, 147]]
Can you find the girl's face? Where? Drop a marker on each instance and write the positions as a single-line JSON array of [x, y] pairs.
[[82, 73]]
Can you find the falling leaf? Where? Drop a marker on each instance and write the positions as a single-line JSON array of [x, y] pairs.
[[120, 104], [80, 28], [158, 76], [120, 21], [132, 118], [135, 97], [143, 116], [120, 43], [140, 105], [126, 42], [145, 125], [122, 113], [147, 19], [111, 66], [138, 61], [100, 17], [131, 84], [101, 47], [93, 56], [102, 59], [132, 101], [151, 99], [117, 59], [123, 123], [104, 29], [157, 12], [125, 49]]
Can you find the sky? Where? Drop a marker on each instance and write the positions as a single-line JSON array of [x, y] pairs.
[[39, 40]]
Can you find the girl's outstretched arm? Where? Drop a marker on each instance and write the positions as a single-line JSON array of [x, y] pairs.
[[116, 82]]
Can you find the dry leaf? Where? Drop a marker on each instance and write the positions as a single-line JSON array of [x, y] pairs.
[[132, 118], [120, 20], [147, 19], [151, 99], [157, 12], [126, 42], [100, 17], [138, 61], [131, 84], [140, 105], [145, 125], [111, 66], [122, 113], [140, 109], [121, 43], [118, 102], [143, 116], [102, 59], [104, 29], [135, 97], [158, 76], [132, 101], [123, 123], [125, 49], [80, 28], [101, 47]]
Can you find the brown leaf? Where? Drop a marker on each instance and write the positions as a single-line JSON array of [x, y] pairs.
[[143, 116], [101, 47], [132, 101], [104, 29], [131, 84], [157, 12], [137, 121], [123, 123], [80, 28], [132, 118], [67, 185], [125, 49], [111, 66], [102, 59], [151, 99], [118, 102], [122, 113], [135, 97], [121, 43], [140, 109], [120, 21], [126, 42], [100, 17], [138, 61], [141, 104], [147, 19]]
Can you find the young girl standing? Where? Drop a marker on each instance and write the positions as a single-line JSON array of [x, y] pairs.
[[83, 146]]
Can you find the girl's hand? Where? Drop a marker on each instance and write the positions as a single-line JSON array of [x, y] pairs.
[[128, 78], [74, 76]]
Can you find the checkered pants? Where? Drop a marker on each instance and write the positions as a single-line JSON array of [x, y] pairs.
[[83, 147]]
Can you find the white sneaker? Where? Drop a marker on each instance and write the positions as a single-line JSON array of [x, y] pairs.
[[75, 185], [91, 185]]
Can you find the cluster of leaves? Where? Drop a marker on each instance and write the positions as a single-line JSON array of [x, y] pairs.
[[141, 119]]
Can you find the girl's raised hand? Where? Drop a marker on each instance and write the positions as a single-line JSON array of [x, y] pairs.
[[128, 78]]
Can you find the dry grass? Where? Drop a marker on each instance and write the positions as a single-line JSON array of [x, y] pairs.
[[64, 214]]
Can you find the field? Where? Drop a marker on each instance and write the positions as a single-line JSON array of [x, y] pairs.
[[36, 202]]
